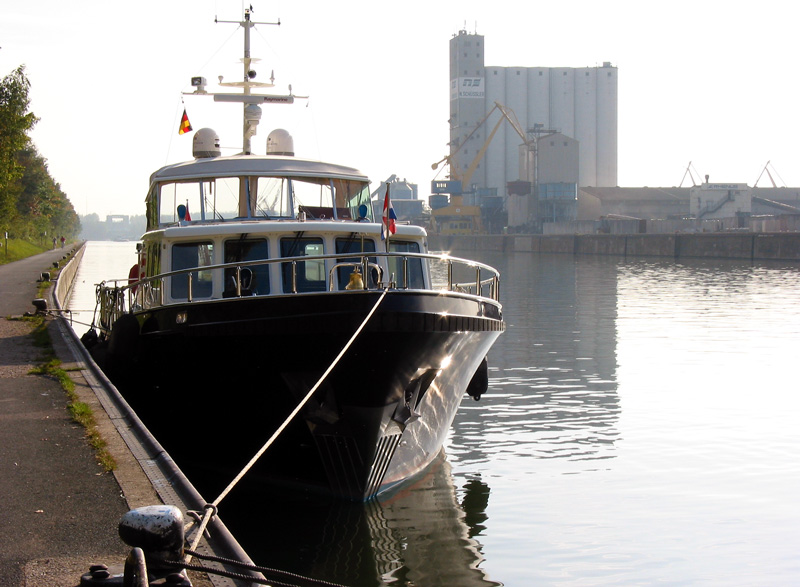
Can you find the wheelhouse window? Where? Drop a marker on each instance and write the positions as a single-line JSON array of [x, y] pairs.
[[272, 197], [354, 244], [305, 276], [413, 278], [254, 278], [209, 199], [227, 198], [331, 198], [189, 256]]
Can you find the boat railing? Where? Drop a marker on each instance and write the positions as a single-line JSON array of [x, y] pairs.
[[121, 296]]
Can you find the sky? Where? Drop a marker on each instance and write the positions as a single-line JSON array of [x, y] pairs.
[[710, 83]]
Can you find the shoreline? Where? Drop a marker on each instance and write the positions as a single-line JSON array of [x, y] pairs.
[[730, 245]]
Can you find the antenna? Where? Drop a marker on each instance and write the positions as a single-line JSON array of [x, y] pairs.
[[251, 111]]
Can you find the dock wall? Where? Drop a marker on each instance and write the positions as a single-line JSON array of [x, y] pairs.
[[144, 468], [732, 245], [66, 277]]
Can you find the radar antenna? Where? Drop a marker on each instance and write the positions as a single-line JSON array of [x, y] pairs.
[[249, 101]]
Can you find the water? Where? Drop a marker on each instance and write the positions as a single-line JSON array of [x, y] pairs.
[[641, 427], [102, 260]]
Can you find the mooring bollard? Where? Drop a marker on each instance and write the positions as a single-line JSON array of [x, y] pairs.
[[156, 534]]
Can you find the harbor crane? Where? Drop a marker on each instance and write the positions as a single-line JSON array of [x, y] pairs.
[[690, 174], [460, 181], [766, 170], [506, 114]]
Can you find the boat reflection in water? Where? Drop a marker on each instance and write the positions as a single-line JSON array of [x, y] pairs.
[[423, 535]]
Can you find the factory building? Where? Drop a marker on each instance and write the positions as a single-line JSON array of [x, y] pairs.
[[578, 103], [720, 200], [557, 179], [703, 202]]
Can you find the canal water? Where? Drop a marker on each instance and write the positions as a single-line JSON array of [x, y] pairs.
[[642, 426]]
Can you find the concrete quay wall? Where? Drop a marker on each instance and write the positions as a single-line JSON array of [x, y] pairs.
[[727, 245], [66, 277]]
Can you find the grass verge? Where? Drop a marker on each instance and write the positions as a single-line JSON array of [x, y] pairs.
[[18, 249], [80, 412]]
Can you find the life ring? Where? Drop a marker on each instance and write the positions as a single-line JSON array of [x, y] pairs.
[[133, 278], [137, 273]]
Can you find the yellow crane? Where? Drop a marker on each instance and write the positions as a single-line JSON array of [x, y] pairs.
[[456, 218], [506, 114]]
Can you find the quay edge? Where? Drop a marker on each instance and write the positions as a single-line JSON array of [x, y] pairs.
[[145, 472], [721, 245]]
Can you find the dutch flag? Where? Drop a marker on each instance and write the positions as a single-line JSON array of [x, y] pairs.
[[389, 224]]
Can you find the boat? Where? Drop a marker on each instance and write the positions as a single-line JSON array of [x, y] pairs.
[[265, 300]]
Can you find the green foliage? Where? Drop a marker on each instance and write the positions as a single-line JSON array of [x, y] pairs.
[[32, 205], [43, 209], [15, 122], [81, 413]]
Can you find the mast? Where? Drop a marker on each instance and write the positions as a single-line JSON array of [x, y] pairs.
[[246, 134], [251, 111]]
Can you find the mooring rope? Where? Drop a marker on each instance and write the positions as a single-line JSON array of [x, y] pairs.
[[278, 577], [250, 579], [111, 303], [211, 508]]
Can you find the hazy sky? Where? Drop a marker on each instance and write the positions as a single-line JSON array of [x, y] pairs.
[[714, 83]]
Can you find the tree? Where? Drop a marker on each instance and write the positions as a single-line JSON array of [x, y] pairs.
[[32, 204], [42, 207], [15, 122]]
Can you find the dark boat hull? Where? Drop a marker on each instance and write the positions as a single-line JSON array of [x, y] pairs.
[[235, 369]]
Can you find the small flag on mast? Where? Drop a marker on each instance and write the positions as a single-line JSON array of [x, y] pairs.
[[185, 126], [389, 224]]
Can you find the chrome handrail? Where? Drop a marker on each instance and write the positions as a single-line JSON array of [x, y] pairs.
[[119, 296]]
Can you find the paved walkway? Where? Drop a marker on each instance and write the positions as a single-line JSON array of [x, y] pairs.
[[58, 509]]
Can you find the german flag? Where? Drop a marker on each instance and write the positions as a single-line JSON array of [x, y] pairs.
[[185, 126]]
